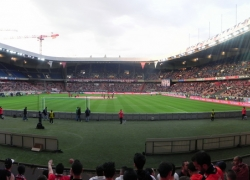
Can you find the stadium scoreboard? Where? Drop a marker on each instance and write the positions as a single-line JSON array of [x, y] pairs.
[[165, 82]]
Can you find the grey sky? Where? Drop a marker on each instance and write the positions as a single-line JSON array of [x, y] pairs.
[[131, 28]]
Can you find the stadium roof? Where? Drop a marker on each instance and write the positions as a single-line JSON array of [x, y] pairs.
[[231, 42], [26, 54]]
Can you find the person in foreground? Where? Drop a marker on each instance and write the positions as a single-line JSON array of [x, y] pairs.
[[76, 170]]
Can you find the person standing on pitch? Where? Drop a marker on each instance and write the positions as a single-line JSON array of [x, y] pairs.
[[212, 115], [1, 113], [45, 114], [25, 114], [51, 117], [243, 112], [87, 114], [79, 113], [39, 117], [121, 115]]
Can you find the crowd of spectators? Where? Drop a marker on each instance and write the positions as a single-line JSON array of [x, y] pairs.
[[199, 168], [30, 86], [233, 89]]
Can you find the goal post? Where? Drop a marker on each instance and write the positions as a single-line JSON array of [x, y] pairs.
[[87, 104], [65, 104]]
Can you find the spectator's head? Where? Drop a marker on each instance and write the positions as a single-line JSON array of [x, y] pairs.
[[130, 174], [184, 166], [109, 169], [165, 170], [202, 161], [59, 168], [42, 177], [8, 163], [237, 160], [21, 169], [76, 169], [222, 165], [99, 171], [231, 175], [139, 160], [192, 169]]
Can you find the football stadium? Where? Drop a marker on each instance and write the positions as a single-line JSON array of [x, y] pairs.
[[172, 107]]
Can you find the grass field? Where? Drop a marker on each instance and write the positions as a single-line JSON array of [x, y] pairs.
[[96, 142], [129, 104]]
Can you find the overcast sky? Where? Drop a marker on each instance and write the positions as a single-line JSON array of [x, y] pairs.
[[129, 28]]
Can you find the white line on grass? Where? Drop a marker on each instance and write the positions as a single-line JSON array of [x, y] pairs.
[[73, 147], [176, 108]]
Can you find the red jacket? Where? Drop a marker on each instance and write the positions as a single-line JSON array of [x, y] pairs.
[[1, 110], [196, 177], [241, 171], [121, 114], [244, 111]]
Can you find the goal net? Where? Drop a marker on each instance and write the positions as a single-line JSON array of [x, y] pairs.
[[62, 104]]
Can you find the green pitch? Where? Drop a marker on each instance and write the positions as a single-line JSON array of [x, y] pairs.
[[97, 142], [129, 104]]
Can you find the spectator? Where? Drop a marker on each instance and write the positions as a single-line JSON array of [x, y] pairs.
[[184, 169], [240, 168], [130, 174], [99, 174], [76, 170], [122, 170], [6, 173], [202, 161], [222, 165], [165, 171], [109, 170], [59, 172], [193, 172], [139, 162], [21, 171]]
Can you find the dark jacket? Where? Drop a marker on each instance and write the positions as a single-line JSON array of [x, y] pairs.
[[87, 112]]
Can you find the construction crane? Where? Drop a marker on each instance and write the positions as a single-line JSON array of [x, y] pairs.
[[39, 38]]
